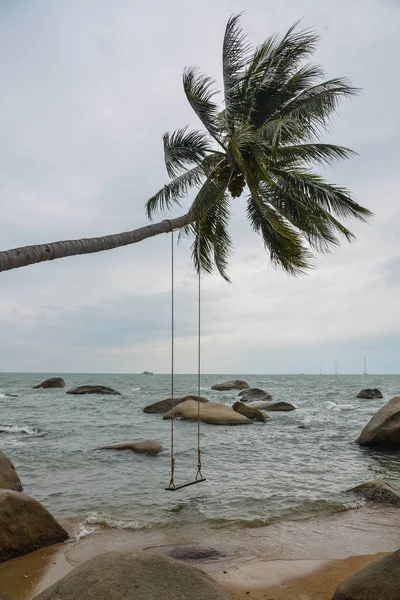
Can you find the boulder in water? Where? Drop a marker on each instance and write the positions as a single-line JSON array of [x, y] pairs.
[[25, 525], [187, 552], [93, 389], [237, 384], [250, 412], [384, 428], [379, 580], [52, 382], [164, 406], [377, 491], [151, 447], [9, 479], [254, 394], [369, 394], [273, 406], [134, 576], [213, 413]]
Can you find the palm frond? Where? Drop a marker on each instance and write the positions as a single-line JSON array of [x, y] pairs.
[[199, 92], [315, 105], [317, 225], [183, 148], [170, 194], [283, 243], [314, 190], [280, 131], [303, 154], [235, 57], [208, 195], [212, 244], [271, 76]]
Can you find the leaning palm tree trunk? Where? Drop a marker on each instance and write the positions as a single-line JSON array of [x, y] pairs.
[[29, 255]]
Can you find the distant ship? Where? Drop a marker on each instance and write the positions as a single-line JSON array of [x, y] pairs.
[[147, 373]]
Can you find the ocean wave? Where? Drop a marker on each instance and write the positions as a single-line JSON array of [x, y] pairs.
[[23, 429], [338, 407], [113, 523], [136, 389]]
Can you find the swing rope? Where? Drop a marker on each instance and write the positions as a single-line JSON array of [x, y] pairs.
[[198, 474], [199, 477], [172, 483]]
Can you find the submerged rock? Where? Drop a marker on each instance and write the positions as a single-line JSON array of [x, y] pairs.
[[273, 406], [93, 389], [379, 580], [377, 491], [237, 384], [9, 479], [164, 406], [52, 382], [384, 428], [25, 525], [187, 552], [254, 394], [213, 413], [134, 576], [250, 412], [151, 447], [369, 394]]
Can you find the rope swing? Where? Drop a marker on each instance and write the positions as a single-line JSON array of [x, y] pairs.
[[172, 487]]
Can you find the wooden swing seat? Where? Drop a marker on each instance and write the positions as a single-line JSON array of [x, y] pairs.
[[179, 486]]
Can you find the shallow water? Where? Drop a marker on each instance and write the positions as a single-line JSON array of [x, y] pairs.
[[255, 474]]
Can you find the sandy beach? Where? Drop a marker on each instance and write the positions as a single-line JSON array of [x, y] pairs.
[[301, 560]]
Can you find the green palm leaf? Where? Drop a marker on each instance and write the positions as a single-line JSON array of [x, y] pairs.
[[283, 243], [170, 194], [183, 148], [199, 92], [235, 57]]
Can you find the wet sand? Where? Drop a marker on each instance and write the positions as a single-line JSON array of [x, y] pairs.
[[300, 560]]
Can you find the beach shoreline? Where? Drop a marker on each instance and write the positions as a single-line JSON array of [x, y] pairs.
[[289, 560]]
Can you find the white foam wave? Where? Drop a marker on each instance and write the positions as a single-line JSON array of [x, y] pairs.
[[83, 531], [136, 389], [13, 429], [338, 407], [112, 523], [357, 503]]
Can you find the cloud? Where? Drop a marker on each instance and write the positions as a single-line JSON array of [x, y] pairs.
[[87, 91]]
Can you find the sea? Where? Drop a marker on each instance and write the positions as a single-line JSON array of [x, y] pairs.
[[295, 466]]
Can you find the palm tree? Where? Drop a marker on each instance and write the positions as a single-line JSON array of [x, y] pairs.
[[260, 147]]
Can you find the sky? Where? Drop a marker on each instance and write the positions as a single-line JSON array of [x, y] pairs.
[[87, 90]]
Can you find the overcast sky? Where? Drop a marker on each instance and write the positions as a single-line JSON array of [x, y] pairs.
[[86, 91]]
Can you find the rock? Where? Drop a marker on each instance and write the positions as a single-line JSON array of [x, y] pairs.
[[238, 384], [186, 551], [384, 428], [369, 394], [278, 406], [9, 479], [164, 406], [214, 413], [53, 382], [379, 580], [254, 394], [134, 576], [93, 389], [250, 412], [11, 395], [25, 525], [151, 447], [377, 491]]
